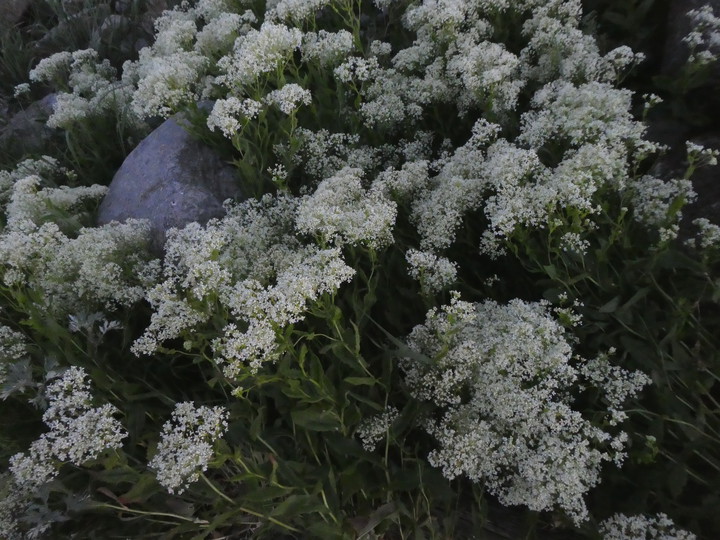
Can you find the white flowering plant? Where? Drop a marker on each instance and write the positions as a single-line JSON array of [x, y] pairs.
[[459, 286]]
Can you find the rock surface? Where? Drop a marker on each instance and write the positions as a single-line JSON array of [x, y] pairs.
[[12, 10], [171, 179], [26, 131]]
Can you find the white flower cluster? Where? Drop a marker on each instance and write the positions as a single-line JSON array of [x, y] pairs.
[[342, 212], [252, 268], [708, 234], [30, 206], [13, 345], [656, 200], [558, 49], [297, 11], [406, 183], [321, 154], [503, 378], [258, 52], [219, 34], [289, 98], [356, 69], [589, 113], [326, 48], [459, 187], [434, 273], [704, 39], [44, 248], [186, 444], [489, 73], [78, 433], [165, 83], [374, 429], [174, 71], [174, 31], [106, 266], [699, 156], [231, 115], [44, 167], [91, 84], [266, 310], [659, 527]]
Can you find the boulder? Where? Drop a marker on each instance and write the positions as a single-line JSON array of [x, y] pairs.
[[12, 10], [170, 179], [26, 131]]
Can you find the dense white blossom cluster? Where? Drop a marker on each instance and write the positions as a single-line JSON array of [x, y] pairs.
[[321, 154], [342, 212], [659, 527], [165, 83], [258, 52], [589, 113], [297, 11], [704, 39], [186, 444], [89, 87], [30, 205], [78, 432], [13, 345], [708, 234], [374, 429], [219, 34], [251, 267], [656, 201], [326, 48], [289, 98], [434, 272], [104, 266], [69, 267], [503, 377], [231, 115]]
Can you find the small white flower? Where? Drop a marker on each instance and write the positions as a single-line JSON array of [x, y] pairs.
[[341, 211], [289, 98], [231, 115], [21, 90], [435, 273], [78, 433], [374, 429], [185, 447], [658, 527]]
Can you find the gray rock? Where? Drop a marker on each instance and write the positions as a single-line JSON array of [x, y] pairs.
[[12, 10], [171, 179], [26, 131]]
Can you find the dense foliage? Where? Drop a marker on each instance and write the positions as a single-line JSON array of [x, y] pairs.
[[459, 281]]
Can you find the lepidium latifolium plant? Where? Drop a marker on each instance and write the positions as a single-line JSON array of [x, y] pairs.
[[456, 284]]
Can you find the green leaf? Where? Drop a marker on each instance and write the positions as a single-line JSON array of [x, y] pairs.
[[676, 480], [265, 494], [316, 419], [611, 306], [299, 504], [386, 511], [146, 486], [360, 381]]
